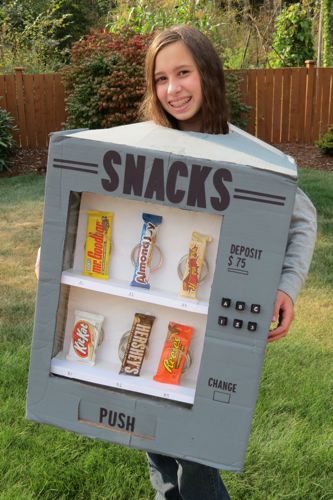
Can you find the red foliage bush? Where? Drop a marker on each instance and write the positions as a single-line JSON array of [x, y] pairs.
[[105, 81]]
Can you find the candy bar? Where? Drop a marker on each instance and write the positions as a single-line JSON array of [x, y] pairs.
[[137, 343], [98, 244], [193, 265], [146, 248], [86, 336], [174, 353]]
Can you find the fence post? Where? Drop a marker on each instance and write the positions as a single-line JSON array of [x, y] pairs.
[[310, 93], [20, 106]]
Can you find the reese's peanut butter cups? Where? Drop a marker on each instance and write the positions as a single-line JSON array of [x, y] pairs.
[[174, 353]]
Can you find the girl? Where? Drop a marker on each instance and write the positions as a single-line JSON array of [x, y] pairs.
[[186, 91]]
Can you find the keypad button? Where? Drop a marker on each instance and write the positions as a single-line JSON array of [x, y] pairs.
[[238, 323], [255, 308], [252, 326], [225, 302], [223, 320], [240, 306]]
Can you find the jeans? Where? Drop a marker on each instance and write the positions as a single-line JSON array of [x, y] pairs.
[[178, 479]]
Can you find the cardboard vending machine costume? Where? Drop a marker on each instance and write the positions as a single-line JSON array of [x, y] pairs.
[[161, 255]]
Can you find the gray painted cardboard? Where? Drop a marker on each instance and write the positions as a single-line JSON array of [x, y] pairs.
[[250, 187]]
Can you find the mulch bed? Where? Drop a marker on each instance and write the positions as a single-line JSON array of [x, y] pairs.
[[35, 160], [27, 161], [307, 155]]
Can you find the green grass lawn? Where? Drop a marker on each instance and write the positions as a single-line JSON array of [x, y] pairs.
[[290, 454]]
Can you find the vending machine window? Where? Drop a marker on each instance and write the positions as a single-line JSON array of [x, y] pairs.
[[118, 300]]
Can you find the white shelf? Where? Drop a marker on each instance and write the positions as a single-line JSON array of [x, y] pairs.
[[123, 289], [101, 374]]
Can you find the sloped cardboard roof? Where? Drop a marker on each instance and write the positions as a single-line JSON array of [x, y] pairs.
[[237, 147]]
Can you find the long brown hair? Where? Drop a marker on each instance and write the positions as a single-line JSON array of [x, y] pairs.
[[214, 105]]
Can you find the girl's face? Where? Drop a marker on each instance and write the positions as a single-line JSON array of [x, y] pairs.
[[178, 85]]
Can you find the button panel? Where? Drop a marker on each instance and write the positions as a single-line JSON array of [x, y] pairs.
[[239, 305]]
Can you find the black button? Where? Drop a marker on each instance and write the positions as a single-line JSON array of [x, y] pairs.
[[238, 323], [225, 302], [240, 306], [223, 320], [255, 308], [252, 326]]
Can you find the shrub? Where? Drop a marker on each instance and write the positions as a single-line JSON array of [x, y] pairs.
[[105, 81], [325, 143], [8, 145], [238, 110]]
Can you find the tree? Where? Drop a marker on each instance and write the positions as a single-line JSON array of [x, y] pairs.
[[145, 16], [326, 12], [292, 40], [38, 34]]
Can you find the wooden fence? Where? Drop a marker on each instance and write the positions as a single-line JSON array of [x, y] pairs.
[[37, 103], [290, 104], [287, 105]]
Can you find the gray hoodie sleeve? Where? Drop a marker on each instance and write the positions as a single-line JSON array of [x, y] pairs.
[[300, 245]]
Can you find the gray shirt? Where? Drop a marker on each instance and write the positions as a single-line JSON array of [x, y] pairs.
[[300, 245]]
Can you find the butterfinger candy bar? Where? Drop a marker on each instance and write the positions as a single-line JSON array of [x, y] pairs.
[[193, 265], [98, 244], [174, 353], [147, 243], [86, 335], [137, 344]]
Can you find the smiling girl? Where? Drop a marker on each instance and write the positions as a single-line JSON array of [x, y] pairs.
[[186, 91], [185, 83]]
